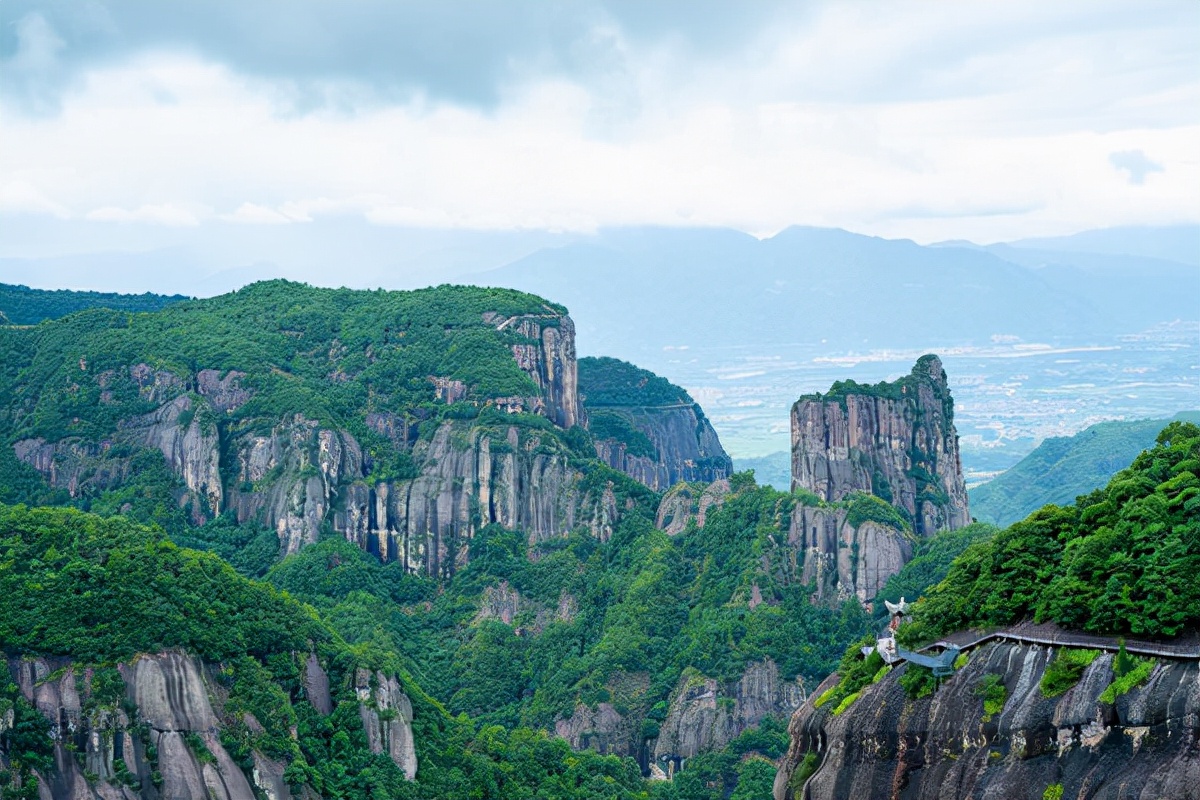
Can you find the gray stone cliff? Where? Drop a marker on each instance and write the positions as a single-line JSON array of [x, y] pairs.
[[896, 441], [174, 701], [1143, 746], [296, 475], [686, 447]]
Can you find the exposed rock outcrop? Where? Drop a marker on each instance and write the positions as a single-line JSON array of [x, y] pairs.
[[602, 729], [689, 501], [895, 440], [295, 474], [685, 447], [886, 746], [647, 427], [843, 560], [172, 748], [549, 360], [387, 717], [706, 715]]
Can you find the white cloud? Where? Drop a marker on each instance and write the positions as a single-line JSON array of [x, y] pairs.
[[257, 215], [979, 121], [166, 214], [21, 197]]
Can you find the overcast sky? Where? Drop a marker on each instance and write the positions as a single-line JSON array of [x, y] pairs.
[[927, 120]]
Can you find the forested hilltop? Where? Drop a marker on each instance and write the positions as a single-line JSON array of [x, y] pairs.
[[20, 305]]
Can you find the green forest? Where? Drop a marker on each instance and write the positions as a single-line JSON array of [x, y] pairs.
[[20, 305], [612, 382], [1121, 560], [522, 634], [1063, 467]]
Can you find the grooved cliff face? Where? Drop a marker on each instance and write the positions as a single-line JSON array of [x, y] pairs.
[[704, 714], [100, 752], [295, 474], [649, 428], [886, 746], [896, 441], [707, 715], [843, 556], [685, 447], [842, 560]]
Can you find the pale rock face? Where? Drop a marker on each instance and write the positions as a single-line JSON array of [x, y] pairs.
[[500, 602], [706, 715], [300, 475], [316, 686], [886, 746], [686, 447], [387, 716], [550, 363], [467, 482], [602, 729], [226, 393], [172, 695], [687, 502], [866, 443], [192, 452], [845, 561]]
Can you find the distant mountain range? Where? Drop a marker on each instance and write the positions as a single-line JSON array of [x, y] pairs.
[[842, 290]]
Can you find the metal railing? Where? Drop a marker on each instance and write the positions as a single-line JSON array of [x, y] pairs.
[[1050, 634]]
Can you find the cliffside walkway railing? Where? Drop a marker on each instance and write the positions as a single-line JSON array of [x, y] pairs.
[[1047, 633]]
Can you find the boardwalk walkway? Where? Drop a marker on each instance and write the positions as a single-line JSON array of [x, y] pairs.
[[1050, 634]]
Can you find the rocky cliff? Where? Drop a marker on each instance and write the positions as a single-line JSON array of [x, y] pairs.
[[844, 555], [706, 714], [703, 714], [845, 549], [647, 427], [408, 470], [165, 733], [894, 440], [945, 745]]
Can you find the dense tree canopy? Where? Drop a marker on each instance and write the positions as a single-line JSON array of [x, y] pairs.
[[1122, 560]]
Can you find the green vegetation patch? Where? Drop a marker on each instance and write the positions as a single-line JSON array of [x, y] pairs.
[[868, 508], [614, 425], [991, 688], [1063, 468], [105, 589], [1129, 671], [918, 681], [1120, 561], [612, 382], [1065, 670], [900, 389], [20, 305]]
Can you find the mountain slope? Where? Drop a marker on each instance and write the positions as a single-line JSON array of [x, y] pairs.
[[1013, 718], [20, 305], [1062, 468], [809, 282], [405, 421], [647, 427]]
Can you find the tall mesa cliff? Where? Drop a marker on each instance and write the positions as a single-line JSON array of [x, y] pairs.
[[894, 440]]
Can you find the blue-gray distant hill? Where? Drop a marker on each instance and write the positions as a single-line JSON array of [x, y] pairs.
[[1064, 467], [715, 287], [20, 305]]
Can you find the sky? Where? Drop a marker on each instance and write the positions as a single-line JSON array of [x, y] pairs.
[[130, 125]]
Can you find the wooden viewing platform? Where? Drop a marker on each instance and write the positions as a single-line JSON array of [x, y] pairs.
[[1048, 633]]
